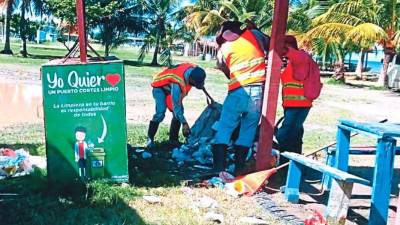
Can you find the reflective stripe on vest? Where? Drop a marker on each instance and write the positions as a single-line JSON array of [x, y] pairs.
[[293, 90], [245, 60], [173, 75]]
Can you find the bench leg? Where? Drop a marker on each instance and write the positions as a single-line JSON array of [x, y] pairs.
[[381, 186], [293, 179], [338, 203], [342, 149], [330, 161]]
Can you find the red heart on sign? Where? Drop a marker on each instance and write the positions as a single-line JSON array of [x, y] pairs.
[[113, 79]]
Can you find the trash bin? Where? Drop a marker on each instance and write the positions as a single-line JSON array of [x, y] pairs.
[[96, 163]]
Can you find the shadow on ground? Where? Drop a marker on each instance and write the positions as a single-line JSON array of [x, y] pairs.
[[313, 194], [33, 200]]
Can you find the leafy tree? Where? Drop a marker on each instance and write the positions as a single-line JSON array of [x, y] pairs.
[[35, 7], [8, 4], [362, 22], [114, 18], [205, 17], [159, 31]]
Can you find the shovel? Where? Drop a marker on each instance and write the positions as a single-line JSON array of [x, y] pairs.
[[253, 182]]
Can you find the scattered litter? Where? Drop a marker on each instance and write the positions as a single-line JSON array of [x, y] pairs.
[[152, 199], [252, 220], [216, 182], [231, 190], [315, 218], [226, 177], [18, 162], [202, 167], [38, 161], [124, 185], [146, 155], [207, 202], [181, 155], [187, 190], [231, 168], [210, 216], [139, 150]]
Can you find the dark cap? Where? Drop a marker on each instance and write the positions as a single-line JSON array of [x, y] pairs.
[[198, 75], [233, 26], [291, 41]]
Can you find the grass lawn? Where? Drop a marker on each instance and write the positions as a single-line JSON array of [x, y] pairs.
[[29, 200]]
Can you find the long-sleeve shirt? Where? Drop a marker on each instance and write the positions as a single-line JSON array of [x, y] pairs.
[[176, 94]]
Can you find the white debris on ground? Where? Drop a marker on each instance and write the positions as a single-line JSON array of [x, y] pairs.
[[252, 220], [215, 217], [152, 199], [18, 163], [207, 202]]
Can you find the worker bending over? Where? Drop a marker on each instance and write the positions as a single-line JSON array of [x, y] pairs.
[[170, 86]]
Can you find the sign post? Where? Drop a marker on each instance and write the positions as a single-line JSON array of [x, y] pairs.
[[271, 92], [85, 121]]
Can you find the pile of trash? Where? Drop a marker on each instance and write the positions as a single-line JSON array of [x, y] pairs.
[[201, 153], [15, 163]]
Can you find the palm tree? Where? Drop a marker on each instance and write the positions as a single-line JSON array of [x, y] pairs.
[[349, 22], [115, 25], [362, 22], [33, 7], [9, 8], [205, 17], [157, 15]]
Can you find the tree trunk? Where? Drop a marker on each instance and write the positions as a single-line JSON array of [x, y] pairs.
[[156, 49], [360, 65], [107, 49], [383, 79], [22, 30], [7, 46], [339, 71], [108, 32]]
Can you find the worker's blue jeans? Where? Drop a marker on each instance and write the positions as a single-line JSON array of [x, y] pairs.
[[242, 105], [290, 134], [161, 107]]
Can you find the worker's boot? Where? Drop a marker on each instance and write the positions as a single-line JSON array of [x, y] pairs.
[[174, 132], [240, 158], [219, 157], [151, 133]]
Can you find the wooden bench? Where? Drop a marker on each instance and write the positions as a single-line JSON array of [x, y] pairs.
[[340, 194], [330, 159]]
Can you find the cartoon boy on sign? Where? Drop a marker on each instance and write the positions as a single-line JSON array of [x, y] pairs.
[[81, 148]]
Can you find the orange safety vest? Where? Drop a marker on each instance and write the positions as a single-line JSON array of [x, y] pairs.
[[293, 90], [245, 60], [173, 75]]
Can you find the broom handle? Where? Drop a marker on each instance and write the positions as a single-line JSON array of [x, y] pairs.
[[324, 147]]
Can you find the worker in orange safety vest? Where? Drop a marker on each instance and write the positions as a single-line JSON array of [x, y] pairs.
[[295, 105], [242, 59], [170, 86]]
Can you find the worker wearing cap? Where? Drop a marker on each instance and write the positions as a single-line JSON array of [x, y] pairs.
[[170, 86], [295, 105], [242, 59]]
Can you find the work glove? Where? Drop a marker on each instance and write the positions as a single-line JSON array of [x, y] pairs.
[[186, 129]]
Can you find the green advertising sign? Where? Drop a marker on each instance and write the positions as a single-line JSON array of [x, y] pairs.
[[85, 125]]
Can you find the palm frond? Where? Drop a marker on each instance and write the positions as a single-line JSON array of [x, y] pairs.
[[337, 17], [366, 34], [329, 32]]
